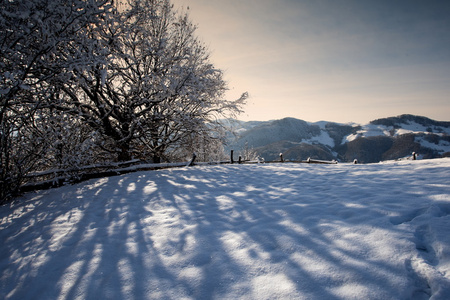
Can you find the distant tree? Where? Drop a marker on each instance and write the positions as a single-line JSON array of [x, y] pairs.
[[157, 90], [249, 153], [207, 142]]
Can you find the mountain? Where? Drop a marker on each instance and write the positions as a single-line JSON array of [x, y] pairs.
[[381, 139]]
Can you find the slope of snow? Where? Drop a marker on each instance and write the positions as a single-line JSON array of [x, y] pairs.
[[369, 130], [266, 231], [405, 128], [413, 127], [321, 124], [324, 139], [442, 146]]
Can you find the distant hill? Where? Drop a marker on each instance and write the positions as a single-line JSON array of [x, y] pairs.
[[382, 139]]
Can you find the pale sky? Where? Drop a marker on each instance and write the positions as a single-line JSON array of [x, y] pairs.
[[334, 60]]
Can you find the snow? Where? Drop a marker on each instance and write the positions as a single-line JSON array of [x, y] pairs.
[[442, 146], [321, 124], [413, 127], [410, 127], [324, 139], [265, 231], [369, 130]]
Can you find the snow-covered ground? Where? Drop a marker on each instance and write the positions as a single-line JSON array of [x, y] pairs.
[[267, 231]]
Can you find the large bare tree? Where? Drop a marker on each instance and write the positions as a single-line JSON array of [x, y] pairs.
[[158, 88], [40, 43]]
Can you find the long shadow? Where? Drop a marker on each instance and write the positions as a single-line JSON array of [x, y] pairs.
[[89, 259], [207, 233], [248, 218], [270, 229]]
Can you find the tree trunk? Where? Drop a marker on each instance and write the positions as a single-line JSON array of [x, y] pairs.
[[156, 159], [124, 154]]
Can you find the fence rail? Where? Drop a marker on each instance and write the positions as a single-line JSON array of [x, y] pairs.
[[58, 177]]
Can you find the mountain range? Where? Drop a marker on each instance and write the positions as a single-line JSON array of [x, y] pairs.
[[381, 139]]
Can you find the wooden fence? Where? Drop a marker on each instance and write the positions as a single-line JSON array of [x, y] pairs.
[[55, 178]]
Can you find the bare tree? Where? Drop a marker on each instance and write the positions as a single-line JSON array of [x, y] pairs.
[[80, 77], [40, 42], [158, 88]]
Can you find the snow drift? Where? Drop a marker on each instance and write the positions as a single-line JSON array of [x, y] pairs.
[[267, 231]]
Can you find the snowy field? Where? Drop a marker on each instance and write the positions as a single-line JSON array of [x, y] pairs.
[[267, 231]]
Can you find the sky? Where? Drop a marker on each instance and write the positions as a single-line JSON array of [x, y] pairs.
[[334, 60]]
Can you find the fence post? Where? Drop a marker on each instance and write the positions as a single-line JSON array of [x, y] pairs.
[[191, 163], [240, 160], [281, 157], [231, 157]]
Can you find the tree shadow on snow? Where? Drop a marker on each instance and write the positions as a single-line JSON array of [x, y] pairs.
[[201, 233]]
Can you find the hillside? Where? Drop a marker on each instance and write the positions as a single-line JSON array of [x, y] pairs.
[[382, 139], [266, 231]]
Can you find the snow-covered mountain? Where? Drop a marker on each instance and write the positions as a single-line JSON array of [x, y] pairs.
[[382, 139]]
